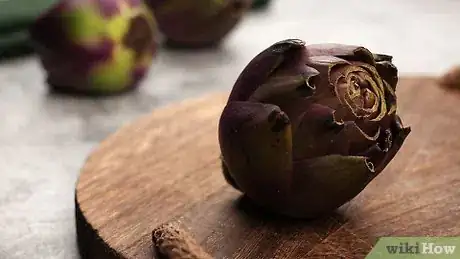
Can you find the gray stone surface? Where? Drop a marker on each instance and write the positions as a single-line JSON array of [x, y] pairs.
[[44, 139]]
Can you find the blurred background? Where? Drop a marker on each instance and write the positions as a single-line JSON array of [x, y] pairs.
[[45, 138]]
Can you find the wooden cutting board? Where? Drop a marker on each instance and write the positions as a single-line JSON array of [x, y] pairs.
[[165, 167]]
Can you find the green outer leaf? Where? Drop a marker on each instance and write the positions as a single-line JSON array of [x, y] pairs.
[[84, 23], [322, 184]]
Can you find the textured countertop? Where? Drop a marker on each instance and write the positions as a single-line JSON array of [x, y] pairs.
[[45, 139]]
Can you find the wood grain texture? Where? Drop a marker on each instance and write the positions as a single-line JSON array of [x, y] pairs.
[[165, 167]]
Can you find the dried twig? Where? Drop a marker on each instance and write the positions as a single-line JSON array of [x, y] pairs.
[[173, 242]]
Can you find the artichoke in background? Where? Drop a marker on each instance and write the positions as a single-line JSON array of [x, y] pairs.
[[197, 23], [451, 78], [256, 4], [307, 127], [95, 46]]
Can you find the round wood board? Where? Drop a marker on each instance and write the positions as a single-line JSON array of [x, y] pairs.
[[166, 167]]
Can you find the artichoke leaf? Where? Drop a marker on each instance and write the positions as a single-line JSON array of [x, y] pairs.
[[399, 135], [382, 57], [263, 65], [319, 134], [319, 185], [286, 86], [227, 175], [389, 73], [324, 82], [347, 52], [256, 142]]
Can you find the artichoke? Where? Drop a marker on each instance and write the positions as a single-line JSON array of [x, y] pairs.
[[256, 4], [197, 23], [307, 127], [95, 46], [451, 78]]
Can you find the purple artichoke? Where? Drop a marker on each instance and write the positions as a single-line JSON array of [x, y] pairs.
[[197, 23], [257, 4], [307, 127], [451, 78], [95, 46]]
